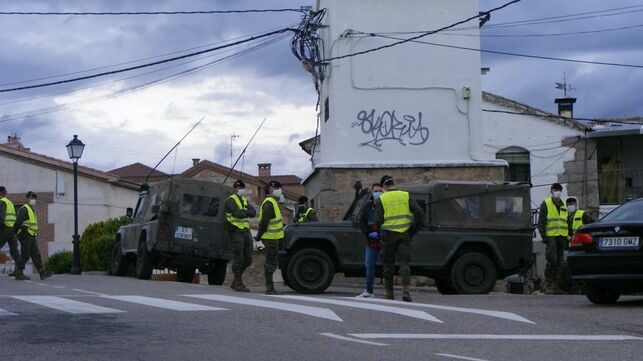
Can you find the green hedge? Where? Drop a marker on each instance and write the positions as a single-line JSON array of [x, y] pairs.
[[96, 244], [59, 262]]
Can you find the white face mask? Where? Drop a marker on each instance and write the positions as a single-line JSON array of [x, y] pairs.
[[556, 194], [32, 202], [571, 208], [244, 192], [277, 193]]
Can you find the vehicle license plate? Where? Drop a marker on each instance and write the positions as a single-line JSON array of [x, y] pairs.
[[619, 242], [183, 233]]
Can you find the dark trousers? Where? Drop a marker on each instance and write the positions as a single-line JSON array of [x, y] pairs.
[[272, 248], [7, 236], [554, 254], [29, 249], [242, 241], [396, 246]]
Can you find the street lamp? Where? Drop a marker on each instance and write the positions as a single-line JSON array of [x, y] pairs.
[[75, 149]]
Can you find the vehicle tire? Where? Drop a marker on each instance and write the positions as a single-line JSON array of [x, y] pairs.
[[185, 274], [143, 262], [473, 273], [216, 272], [444, 286], [601, 296], [118, 264], [310, 271]]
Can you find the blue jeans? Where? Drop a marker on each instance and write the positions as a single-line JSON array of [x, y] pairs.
[[370, 258]]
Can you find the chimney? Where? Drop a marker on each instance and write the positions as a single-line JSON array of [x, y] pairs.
[[13, 141], [264, 170], [566, 106], [195, 161]]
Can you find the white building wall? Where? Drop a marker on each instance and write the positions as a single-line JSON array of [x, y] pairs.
[[98, 200], [409, 105]]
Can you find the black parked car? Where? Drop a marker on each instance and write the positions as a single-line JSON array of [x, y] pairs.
[[608, 256]]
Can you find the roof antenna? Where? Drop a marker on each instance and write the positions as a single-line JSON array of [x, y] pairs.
[[564, 86], [243, 151]]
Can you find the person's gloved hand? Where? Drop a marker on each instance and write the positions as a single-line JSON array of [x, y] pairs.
[[373, 236], [259, 246]]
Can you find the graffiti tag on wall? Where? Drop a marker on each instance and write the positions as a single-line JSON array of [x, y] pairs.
[[407, 129]]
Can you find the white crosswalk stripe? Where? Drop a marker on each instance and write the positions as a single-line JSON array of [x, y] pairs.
[[390, 309], [165, 304], [290, 307], [66, 305], [6, 313]]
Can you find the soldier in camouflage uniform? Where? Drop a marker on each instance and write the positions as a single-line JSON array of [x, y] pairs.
[[238, 211], [26, 227], [399, 218], [271, 232], [7, 220]]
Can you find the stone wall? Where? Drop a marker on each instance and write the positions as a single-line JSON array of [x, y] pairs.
[[581, 174]]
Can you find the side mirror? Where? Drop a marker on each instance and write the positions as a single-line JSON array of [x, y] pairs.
[[129, 212], [155, 208]]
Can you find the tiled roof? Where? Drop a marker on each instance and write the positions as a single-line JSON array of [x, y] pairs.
[[283, 179], [137, 170]]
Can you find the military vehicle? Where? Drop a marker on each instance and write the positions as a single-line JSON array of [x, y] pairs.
[[178, 224], [474, 234]]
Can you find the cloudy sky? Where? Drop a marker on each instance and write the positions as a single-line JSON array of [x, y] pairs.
[[138, 116]]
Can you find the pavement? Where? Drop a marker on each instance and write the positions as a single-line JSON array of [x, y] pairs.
[[98, 317]]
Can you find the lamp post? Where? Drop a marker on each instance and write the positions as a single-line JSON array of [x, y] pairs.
[[75, 149]]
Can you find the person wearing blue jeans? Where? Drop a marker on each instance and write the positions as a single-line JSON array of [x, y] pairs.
[[373, 241]]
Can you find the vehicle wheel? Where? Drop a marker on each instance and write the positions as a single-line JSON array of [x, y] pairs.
[[445, 286], [310, 271], [185, 274], [143, 262], [216, 272], [601, 296], [473, 273], [119, 264]]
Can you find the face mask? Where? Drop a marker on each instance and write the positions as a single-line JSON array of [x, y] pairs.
[[277, 193], [571, 208], [556, 194], [244, 192], [32, 202], [377, 195]]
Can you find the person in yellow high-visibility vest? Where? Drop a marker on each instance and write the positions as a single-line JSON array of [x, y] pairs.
[[271, 232], [26, 227], [398, 218], [576, 217], [238, 211], [7, 220], [554, 230], [305, 213]]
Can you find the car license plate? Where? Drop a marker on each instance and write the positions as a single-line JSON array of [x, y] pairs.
[[183, 233], [619, 242]]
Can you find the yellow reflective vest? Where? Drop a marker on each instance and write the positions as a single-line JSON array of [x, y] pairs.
[[556, 225], [275, 226], [304, 215], [10, 212], [578, 219], [31, 223], [240, 223], [397, 214]]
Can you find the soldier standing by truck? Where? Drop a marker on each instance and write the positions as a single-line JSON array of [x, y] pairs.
[[238, 211], [7, 220], [305, 213], [399, 218], [26, 227], [554, 230], [271, 232]]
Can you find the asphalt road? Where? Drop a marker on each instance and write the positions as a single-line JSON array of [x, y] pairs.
[[113, 318]]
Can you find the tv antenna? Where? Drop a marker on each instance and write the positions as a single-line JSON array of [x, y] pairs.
[[564, 86]]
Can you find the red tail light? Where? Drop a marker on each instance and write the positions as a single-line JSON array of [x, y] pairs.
[[582, 238], [164, 233]]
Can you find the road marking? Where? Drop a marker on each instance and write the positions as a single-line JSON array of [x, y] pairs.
[[390, 309], [42, 284], [163, 303], [437, 336], [306, 310], [6, 313], [459, 357], [58, 286], [65, 305], [344, 338], [497, 314], [90, 292]]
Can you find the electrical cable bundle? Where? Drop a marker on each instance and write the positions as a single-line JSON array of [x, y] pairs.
[[307, 45]]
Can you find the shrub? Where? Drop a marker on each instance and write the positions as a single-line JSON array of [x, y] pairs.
[[96, 244], [59, 262]]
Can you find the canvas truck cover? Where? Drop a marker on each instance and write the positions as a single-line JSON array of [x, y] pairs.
[[478, 205]]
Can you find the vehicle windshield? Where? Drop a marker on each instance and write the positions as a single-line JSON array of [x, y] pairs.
[[198, 205], [632, 211]]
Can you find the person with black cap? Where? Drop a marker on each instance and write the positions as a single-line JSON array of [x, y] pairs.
[[577, 217], [271, 232], [238, 211], [399, 218], [26, 227], [304, 212], [554, 230], [7, 220]]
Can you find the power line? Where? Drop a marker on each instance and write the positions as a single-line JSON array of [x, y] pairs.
[[402, 41], [280, 31], [561, 117], [547, 35], [117, 13]]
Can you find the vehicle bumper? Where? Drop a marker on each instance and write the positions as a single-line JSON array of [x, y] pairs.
[[619, 271]]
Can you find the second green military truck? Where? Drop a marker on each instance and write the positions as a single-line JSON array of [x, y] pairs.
[[475, 233]]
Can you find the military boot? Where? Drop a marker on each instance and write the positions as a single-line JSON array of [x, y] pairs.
[[406, 293], [388, 294], [44, 274], [388, 288], [21, 276], [238, 284], [270, 286], [233, 284]]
